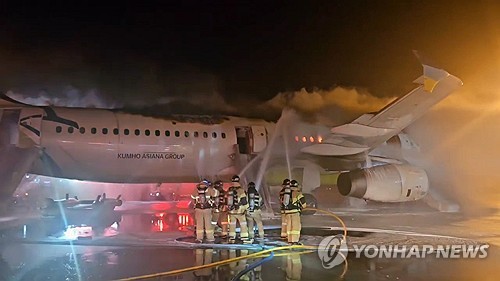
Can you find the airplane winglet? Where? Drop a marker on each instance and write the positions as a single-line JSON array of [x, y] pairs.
[[432, 75]]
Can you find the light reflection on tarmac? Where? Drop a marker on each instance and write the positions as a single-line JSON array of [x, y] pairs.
[[53, 261]]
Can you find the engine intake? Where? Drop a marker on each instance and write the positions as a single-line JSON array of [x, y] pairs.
[[386, 183]]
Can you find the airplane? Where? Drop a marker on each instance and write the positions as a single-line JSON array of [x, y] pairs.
[[116, 146]]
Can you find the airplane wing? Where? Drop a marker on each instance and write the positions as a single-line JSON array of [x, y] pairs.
[[371, 130]]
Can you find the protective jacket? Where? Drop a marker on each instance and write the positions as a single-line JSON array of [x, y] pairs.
[[293, 201], [254, 200], [204, 197], [236, 200]]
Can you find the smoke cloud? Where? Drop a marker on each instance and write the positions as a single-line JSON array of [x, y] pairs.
[[72, 97], [459, 143], [334, 106]]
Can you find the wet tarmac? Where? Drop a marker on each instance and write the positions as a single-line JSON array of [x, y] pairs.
[[131, 244]]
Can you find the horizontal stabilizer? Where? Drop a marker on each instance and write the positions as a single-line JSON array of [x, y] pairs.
[[359, 130]]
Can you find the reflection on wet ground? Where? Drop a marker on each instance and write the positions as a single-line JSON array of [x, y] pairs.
[[28, 254], [104, 263]]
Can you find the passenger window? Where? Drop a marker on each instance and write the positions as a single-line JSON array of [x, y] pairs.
[[195, 134], [93, 131], [205, 134], [223, 135], [116, 131], [70, 130], [82, 130], [126, 132], [147, 132], [137, 132], [167, 133], [58, 129], [186, 134], [104, 131], [157, 133], [214, 135], [177, 133]]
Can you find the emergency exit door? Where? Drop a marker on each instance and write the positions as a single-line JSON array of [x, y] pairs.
[[259, 139], [251, 139]]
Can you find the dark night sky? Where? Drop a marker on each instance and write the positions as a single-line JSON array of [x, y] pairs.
[[148, 51]]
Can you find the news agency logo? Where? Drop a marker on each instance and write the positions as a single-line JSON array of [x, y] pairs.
[[332, 251], [422, 251]]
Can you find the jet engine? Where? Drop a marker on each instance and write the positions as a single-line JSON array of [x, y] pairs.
[[385, 183]]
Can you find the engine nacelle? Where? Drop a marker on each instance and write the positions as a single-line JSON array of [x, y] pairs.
[[385, 183]]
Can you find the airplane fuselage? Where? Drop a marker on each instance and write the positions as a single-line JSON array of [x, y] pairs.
[[104, 145]]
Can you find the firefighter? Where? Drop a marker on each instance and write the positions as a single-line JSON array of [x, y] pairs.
[[204, 198], [213, 200], [293, 203], [220, 210], [237, 203], [285, 185], [254, 213]]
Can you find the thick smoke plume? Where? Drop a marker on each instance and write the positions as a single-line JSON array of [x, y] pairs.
[[460, 149], [334, 106], [72, 97]]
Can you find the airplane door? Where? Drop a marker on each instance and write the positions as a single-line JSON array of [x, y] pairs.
[[243, 135], [259, 139]]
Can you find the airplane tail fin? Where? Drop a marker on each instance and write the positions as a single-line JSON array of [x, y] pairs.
[[370, 130], [435, 85]]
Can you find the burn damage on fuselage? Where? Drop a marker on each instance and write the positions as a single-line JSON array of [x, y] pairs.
[[182, 111]]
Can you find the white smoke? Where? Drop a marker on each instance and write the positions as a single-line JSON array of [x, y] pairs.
[[349, 99], [460, 149], [332, 106], [73, 97]]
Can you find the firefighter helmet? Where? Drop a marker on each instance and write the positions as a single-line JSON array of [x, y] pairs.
[[286, 182], [251, 187], [235, 178], [294, 183], [218, 183], [201, 185]]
